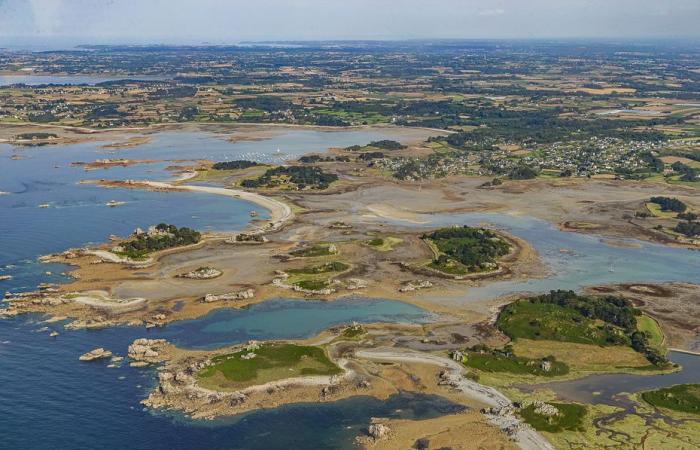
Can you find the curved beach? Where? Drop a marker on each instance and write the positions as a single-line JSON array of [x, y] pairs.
[[280, 212]]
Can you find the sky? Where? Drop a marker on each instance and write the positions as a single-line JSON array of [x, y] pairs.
[[232, 21]]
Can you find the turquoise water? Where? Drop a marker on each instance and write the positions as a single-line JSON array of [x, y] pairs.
[[286, 319]]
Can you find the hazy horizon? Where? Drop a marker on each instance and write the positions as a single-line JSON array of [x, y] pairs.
[[70, 22]]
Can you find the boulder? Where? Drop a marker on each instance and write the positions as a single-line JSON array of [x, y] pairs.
[[98, 353], [378, 431], [240, 295]]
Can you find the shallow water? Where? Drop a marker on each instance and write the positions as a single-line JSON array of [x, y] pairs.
[[35, 80], [78, 215], [604, 388], [575, 260], [286, 319]]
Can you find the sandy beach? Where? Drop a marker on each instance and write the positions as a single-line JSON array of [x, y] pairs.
[[280, 212]]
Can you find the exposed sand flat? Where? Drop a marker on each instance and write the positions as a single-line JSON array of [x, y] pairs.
[[462, 431], [391, 212], [134, 141], [102, 300], [526, 437]]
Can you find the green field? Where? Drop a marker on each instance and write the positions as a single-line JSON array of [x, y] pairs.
[[500, 362], [272, 362], [544, 321], [384, 244], [651, 327], [565, 316], [656, 211], [315, 250], [335, 266], [312, 285], [682, 398], [570, 418]]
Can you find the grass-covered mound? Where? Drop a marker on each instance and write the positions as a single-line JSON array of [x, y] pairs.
[[161, 237], [354, 331], [669, 204], [293, 177], [461, 250], [654, 334], [385, 144], [568, 317], [312, 285], [272, 361], [315, 251], [569, 417], [384, 244], [493, 360], [334, 266], [683, 397]]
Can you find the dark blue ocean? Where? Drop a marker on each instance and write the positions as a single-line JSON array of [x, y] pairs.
[[50, 400]]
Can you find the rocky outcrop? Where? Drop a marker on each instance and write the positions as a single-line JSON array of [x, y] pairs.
[[415, 286], [98, 353], [247, 238], [50, 301], [146, 351], [9, 312], [375, 432], [458, 356], [545, 409], [355, 283], [95, 323], [202, 273], [279, 282], [378, 431], [240, 295]]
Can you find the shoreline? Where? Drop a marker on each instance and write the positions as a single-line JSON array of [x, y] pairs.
[[85, 133], [280, 212]]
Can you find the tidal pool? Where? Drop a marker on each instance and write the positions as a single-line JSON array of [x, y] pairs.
[[286, 319]]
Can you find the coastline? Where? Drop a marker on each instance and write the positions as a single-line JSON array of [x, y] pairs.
[[280, 212]]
